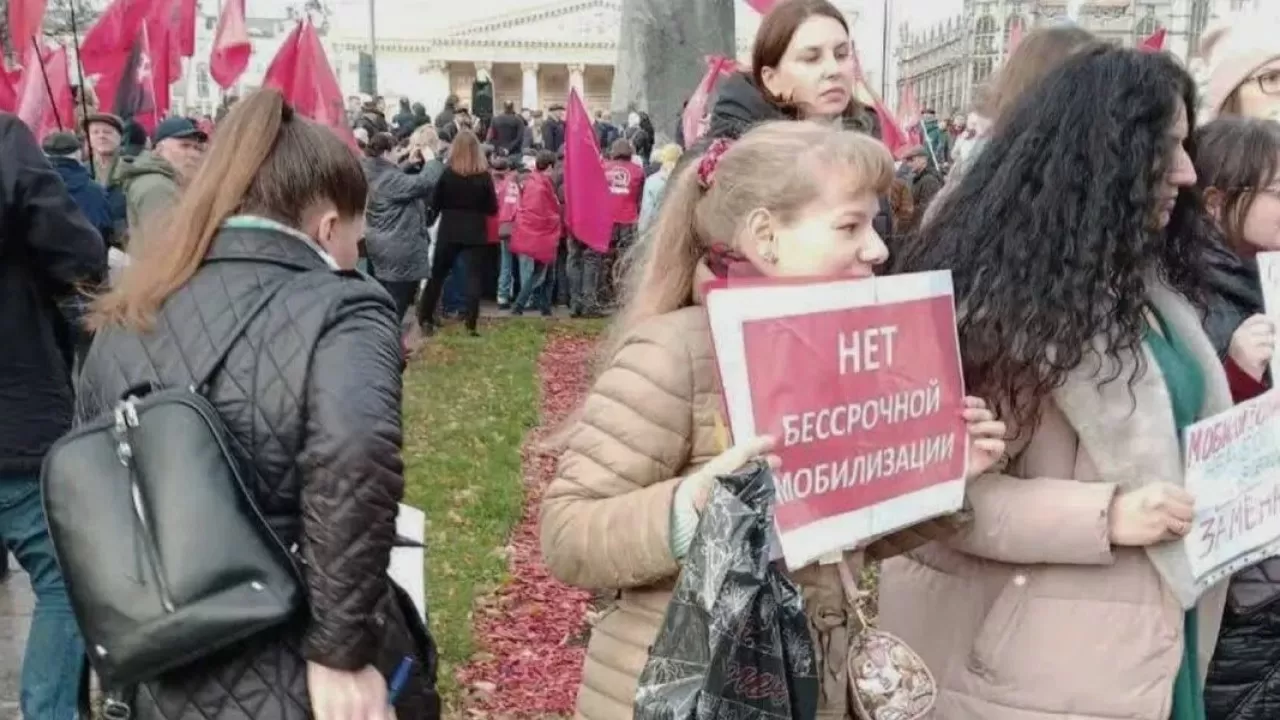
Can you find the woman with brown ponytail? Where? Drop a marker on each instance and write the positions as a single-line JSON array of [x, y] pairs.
[[311, 394]]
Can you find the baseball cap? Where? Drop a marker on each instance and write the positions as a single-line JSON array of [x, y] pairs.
[[178, 128]]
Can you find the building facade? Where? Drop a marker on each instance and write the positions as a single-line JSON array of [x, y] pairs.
[[945, 64]]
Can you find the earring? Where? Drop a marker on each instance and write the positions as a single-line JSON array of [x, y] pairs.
[[769, 256]]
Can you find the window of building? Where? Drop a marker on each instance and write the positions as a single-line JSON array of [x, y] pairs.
[[202, 80], [1147, 25]]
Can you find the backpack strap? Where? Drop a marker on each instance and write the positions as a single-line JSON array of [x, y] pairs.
[[200, 382]]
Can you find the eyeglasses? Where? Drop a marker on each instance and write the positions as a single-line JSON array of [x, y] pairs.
[[1268, 82]]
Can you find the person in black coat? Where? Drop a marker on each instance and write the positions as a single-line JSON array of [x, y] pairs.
[[553, 129], [466, 199], [508, 130], [48, 254], [312, 396]]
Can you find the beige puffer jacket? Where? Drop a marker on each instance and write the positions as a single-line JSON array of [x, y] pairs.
[[650, 421]]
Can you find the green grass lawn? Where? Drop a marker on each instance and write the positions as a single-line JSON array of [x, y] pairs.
[[468, 404]]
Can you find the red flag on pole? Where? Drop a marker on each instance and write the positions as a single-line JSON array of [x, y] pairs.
[[26, 17], [44, 100], [231, 47], [1154, 42], [301, 72], [586, 191]]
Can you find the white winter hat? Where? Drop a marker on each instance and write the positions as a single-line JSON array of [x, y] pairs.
[[1231, 51]]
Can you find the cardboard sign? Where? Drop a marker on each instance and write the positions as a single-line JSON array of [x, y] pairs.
[[860, 382], [1233, 470]]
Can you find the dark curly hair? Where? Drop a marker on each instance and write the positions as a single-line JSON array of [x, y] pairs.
[[1049, 234]]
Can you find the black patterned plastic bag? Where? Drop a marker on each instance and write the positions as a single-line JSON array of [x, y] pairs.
[[734, 644]]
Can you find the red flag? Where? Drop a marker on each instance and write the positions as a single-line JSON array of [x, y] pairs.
[[891, 134], [25, 20], [762, 6], [231, 48], [9, 82], [184, 27], [1154, 42], [44, 100], [697, 108], [107, 44], [301, 72], [587, 200]]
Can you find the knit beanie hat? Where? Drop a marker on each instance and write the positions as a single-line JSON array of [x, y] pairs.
[[1231, 52]]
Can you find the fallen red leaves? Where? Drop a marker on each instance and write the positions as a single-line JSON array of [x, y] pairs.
[[531, 664]]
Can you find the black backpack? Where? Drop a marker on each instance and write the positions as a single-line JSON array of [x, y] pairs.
[[166, 557]]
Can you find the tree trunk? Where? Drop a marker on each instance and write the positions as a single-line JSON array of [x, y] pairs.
[[662, 51]]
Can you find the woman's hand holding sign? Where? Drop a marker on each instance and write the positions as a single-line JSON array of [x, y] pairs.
[[986, 436], [1253, 344], [1150, 514]]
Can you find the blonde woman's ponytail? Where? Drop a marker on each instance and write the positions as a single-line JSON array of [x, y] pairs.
[[168, 250]]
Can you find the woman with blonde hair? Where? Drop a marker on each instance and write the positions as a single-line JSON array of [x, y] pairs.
[[310, 393], [790, 199], [466, 199]]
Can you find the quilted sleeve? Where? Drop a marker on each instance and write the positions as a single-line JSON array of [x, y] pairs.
[[606, 517], [352, 477]]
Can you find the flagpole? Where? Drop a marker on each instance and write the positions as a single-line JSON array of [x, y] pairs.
[[884, 54], [75, 43], [48, 88]]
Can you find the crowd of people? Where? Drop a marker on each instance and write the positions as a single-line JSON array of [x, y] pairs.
[[1099, 213]]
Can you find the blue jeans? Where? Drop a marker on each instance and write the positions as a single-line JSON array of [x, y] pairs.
[[535, 285], [55, 656], [506, 275], [454, 298]]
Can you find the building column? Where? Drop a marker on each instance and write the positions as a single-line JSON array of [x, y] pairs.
[[529, 85], [437, 85], [577, 82]]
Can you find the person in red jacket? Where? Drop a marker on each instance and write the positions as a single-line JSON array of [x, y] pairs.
[[626, 185], [535, 239]]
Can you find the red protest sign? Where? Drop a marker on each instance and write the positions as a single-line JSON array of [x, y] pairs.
[[860, 381]]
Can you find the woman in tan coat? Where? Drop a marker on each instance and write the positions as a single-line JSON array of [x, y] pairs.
[[1074, 242], [789, 199]]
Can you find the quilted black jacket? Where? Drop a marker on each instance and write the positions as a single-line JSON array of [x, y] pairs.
[[1244, 678], [312, 393]]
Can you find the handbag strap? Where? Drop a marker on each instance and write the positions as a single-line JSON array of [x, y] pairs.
[[201, 381]]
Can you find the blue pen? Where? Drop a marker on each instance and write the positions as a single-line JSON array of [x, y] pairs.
[[399, 679]]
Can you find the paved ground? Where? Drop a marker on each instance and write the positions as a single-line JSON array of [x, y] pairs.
[[15, 614]]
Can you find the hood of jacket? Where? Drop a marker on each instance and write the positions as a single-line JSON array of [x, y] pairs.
[[740, 104], [74, 175], [1235, 293], [148, 163]]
